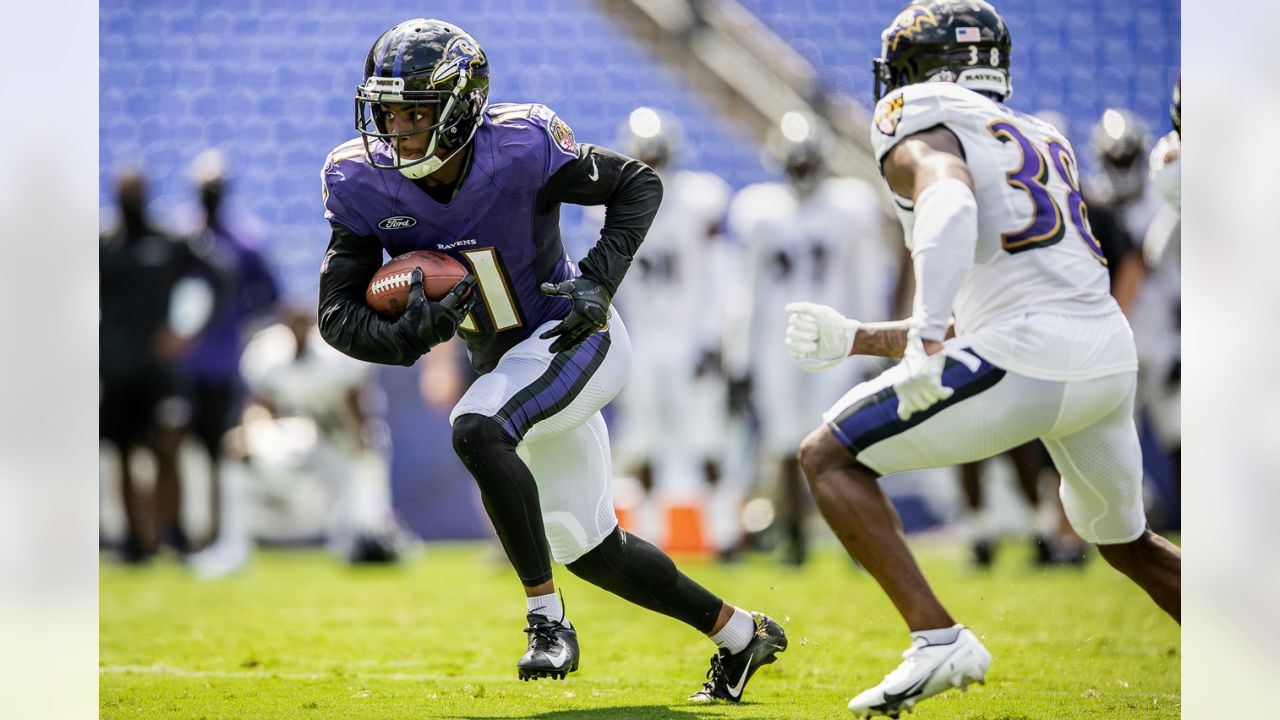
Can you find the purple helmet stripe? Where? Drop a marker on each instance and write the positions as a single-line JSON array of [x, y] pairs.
[[382, 54], [400, 45]]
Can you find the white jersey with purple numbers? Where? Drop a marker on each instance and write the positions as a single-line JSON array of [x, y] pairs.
[[1035, 255]]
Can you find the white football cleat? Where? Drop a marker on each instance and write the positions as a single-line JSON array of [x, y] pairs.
[[926, 670]]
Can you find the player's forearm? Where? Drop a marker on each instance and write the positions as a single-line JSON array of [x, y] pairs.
[[355, 330], [944, 239], [631, 193], [346, 322], [882, 339]]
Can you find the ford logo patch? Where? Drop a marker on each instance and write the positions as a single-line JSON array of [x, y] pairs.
[[399, 222]]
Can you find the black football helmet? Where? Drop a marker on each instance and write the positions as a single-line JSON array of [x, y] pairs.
[[1121, 141], [423, 62], [960, 41], [800, 143], [651, 136]]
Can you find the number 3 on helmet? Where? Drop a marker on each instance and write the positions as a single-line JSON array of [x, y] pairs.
[[422, 63]]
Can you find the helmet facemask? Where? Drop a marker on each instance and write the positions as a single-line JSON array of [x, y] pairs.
[[423, 64], [449, 129]]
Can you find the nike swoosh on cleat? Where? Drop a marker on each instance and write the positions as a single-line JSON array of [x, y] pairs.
[[894, 699], [558, 660], [736, 690]]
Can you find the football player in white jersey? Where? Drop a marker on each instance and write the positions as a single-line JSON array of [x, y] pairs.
[[1162, 255], [999, 237], [818, 236], [672, 412], [310, 458], [1121, 141]]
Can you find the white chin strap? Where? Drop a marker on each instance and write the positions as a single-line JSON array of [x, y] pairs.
[[425, 167], [420, 169]]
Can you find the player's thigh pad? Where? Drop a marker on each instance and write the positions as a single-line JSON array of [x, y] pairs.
[[575, 489], [535, 394], [991, 411], [1095, 447]]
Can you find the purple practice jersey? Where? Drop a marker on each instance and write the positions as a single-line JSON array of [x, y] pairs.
[[492, 225]]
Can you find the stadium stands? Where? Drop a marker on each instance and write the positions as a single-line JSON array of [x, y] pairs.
[[270, 82], [1077, 58]]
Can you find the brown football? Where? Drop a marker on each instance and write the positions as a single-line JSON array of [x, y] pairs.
[[388, 291]]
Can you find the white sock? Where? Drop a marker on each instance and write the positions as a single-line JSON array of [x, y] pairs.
[[548, 606], [737, 633], [940, 636]]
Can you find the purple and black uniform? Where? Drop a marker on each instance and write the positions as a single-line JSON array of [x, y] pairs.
[[502, 222]]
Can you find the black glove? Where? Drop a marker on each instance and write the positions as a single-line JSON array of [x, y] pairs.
[[427, 323], [590, 311]]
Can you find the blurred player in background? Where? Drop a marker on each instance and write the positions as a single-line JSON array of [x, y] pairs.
[[212, 370], [1162, 253], [1052, 539], [310, 459], [155, 294], [819, 236], [991, 207], [1122, 205], [1122, 143], [672, 412], [436, 167]]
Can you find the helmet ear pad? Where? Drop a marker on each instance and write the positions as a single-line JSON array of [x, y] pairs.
[[458, 128]]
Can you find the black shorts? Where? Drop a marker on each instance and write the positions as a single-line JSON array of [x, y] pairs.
[[132, 409], [216, 408]]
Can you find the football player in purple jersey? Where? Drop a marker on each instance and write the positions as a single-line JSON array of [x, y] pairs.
[[436, 167]]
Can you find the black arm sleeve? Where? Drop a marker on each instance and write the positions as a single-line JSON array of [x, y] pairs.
[[630, 192], [346, 322]]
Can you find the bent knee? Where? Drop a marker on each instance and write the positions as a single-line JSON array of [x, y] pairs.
[[473, 434], [820, 450]]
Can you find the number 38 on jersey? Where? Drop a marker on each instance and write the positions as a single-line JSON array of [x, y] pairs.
[[1048, 224]]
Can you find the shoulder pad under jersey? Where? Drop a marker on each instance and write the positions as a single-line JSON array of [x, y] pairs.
[[914, 108]]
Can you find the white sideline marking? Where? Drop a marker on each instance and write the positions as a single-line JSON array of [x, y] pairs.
[[274, 675]]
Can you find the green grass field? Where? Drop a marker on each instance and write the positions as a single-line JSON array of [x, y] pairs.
[[301, 636]]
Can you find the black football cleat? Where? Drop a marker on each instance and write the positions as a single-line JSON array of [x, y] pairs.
[[729, 673], [553, 650]]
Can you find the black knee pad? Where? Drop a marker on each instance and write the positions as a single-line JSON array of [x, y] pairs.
[[509, 493], [636, 571], [475, 436]]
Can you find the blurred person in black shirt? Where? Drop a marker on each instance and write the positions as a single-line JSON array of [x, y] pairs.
[[155, 294], [211, 370]]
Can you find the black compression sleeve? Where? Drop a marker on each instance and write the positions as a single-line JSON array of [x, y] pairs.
[[346, 322], [630, 192]]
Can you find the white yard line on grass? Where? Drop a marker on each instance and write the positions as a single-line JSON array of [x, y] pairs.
[[274, 675]]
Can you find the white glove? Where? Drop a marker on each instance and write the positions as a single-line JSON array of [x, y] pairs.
[[818, 335], [923, 386]]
